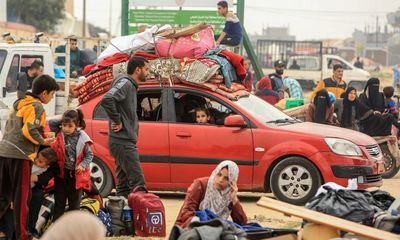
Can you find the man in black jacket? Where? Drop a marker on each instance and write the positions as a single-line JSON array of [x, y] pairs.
[[120, 103], [277, 78]]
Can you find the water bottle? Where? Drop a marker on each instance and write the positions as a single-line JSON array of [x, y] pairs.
[[394, 208]]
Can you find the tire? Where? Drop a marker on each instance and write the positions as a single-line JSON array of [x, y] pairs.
[[390, 162], [303, 187], [104, 179]]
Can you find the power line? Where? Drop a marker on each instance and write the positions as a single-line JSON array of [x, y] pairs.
[[259, 8]]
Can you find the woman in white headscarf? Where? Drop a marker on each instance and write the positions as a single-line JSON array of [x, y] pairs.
[[217, 193]]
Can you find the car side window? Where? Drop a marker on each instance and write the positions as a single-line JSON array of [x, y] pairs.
[[149, 107], [99, 113], [11, 81], [187, 103], [332, 62]]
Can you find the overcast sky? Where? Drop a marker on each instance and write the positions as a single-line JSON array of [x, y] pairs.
[[307, 19]]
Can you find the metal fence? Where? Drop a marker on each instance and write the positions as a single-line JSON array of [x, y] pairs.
[[305, 55]]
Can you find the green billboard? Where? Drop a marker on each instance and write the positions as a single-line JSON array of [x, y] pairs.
[[173, 17]]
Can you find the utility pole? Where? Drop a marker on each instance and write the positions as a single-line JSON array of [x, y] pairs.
[[376, 30], [124, 17], [109, 18]]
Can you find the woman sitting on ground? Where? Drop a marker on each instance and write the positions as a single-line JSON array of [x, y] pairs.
[[375, 100], [265, 92], [350, 111], [355, 115], [217, 193], [321, 109], [371, 97]]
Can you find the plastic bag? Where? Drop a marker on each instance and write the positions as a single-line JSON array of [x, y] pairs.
[[353, 205]]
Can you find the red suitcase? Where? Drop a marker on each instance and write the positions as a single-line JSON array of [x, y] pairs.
[[148, 213]]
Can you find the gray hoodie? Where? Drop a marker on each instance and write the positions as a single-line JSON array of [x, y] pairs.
[[120, 103]]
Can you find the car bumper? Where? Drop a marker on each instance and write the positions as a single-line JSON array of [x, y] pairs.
[[339, 169]]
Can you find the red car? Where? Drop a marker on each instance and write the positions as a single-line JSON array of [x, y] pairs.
[[274, 152]]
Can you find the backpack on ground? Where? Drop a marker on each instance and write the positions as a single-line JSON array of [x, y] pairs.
[[115, 204], [90, 205], [148, 213], [105, 218], [45, 216], [387, 222]]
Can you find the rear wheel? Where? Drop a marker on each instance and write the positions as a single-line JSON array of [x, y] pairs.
[[104, 180], [295, 180], [390, 162]]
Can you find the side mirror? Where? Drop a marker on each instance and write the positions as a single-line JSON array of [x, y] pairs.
[[235, 121]]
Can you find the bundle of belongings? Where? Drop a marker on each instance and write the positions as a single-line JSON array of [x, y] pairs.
[[376, 208], [187, 56], [211, 226]]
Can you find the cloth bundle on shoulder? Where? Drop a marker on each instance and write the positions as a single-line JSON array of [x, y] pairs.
[[192, 46]]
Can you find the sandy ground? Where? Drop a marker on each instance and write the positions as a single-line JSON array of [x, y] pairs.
[[268, 218]]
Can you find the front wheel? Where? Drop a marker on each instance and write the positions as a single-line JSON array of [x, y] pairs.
[[390, 162], [103, 179], [295, 180]]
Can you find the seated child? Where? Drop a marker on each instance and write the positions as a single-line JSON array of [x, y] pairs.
[[42, 162], [202, 116], [44, 169], [390, 104]]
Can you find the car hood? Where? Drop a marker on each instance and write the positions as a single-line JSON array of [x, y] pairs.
[[330, 131]]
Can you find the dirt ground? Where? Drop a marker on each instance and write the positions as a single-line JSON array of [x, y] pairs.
[[268, 218]]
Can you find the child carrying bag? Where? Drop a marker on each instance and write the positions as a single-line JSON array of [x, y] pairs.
[[148, 213]]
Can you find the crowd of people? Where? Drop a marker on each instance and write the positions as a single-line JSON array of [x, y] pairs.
[[372, 112]]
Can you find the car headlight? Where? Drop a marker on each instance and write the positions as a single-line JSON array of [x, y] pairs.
[[343, 147]]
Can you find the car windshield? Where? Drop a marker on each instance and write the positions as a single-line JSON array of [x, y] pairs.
[[3, 55], [263, 110]]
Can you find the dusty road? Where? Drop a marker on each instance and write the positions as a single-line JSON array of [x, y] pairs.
[[268, 218]]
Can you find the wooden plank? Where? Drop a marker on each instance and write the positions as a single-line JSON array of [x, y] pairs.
[[324, 219]]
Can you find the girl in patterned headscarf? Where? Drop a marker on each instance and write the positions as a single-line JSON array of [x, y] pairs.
[[217, 193]]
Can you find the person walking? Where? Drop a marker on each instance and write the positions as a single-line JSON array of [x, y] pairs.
[[120, 103]]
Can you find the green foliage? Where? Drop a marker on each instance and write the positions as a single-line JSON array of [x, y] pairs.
[[42, 14]]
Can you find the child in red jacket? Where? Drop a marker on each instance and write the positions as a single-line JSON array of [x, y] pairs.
[[74, 157]]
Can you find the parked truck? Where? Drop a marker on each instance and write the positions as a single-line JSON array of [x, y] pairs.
[[308, 62], [18, 57]]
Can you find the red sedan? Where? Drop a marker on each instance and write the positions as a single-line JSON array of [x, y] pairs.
[[274, 152]]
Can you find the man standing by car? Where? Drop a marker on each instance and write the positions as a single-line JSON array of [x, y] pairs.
[[334, 84], [277, 78], [120, 103]]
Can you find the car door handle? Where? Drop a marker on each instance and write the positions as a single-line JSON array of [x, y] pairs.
[[183, 134], [103, 131]]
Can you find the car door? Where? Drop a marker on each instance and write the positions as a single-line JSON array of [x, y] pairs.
[[196, 149], [153, 142]]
